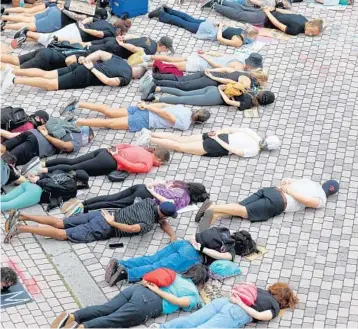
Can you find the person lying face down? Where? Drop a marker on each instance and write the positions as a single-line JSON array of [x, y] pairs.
[[206, 29], [136, 118], [243, 142], [291, 195], [139, 218], [234, 313], [97, 69], [178, 256], [138, 303], [53, 58]]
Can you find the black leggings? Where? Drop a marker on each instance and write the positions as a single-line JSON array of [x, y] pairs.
[[121, 199], [24, 146], [96, 163]]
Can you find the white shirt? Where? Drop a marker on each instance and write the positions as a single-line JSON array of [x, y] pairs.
[[309, 189], [246, 140]]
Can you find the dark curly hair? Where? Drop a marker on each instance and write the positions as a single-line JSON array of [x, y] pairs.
[[198, 273], [8, 278]]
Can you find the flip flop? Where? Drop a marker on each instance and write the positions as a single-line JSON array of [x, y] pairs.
[[60, 321], [206, 204], [206, 221]]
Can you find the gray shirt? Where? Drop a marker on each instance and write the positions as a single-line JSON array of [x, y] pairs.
[[46, 149], [181, 113]]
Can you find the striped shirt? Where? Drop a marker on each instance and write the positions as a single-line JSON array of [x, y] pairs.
[[144, 213]]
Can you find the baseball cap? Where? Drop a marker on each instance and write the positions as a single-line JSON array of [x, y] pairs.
[[167, 42], [266, 97], [168, 208], [330, 187]]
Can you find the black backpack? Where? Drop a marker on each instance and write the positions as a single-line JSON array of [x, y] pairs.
[[13, 117], [57, 187], [244, 244], [217, 238]]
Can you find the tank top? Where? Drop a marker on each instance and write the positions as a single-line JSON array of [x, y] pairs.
[[231, 32]]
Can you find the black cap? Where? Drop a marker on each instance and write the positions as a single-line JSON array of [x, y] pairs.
[[255, 60], [167, 42], [42, 114], [330, 187]]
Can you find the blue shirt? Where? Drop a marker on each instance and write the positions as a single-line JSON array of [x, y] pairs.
[[181, 287], [182, 118]]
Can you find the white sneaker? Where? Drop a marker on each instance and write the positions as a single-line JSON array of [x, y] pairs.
[[7, 79], [143, 138], [145, 80]]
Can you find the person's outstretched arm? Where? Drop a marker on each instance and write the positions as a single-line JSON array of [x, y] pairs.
[[210, 252], [226, 99], [74, 16], [274, 21], [168, 229]]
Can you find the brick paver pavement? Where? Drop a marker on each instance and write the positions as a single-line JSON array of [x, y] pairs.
[[315, 114]]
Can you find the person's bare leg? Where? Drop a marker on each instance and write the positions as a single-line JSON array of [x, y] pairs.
[[33, 35], [7, 134], [181, 139], [47, 84], [31, 10], [50, 232], [10, 59], [233, 209], [168, 59], [116, 123], [18, 26], [46, 220], [195, 148], [18, 18], [110, 112], [36, 73]]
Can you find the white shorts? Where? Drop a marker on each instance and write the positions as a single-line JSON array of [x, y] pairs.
[[194, 63], [69, 32]]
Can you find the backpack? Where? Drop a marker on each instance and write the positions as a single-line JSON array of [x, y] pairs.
[[5, 172], [57, 187], [246, 291], [217, 238], [161, 277], [13, 117], [244, 244]]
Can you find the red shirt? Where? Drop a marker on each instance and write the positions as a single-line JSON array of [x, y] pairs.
[[133, 159]]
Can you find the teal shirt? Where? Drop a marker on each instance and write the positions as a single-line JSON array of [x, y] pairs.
[[181, 287]]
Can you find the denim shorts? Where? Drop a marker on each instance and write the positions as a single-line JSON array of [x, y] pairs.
[[87, 228], [137, 119], [48, 21]]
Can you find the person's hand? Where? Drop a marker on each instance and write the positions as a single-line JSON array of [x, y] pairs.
[[149, 187], [152, 287], [202, 55], [120, 38], [286, 189], [32, 178], [194, 243], [81, 26], [236, 300], [110, 150], [173, 238], [88, 64], [81, 59], [71, 60], [212, 133], [43, 130], [208, 73], [201, 51], [268, 9], [142, 106], [108, 217], [120, 43]]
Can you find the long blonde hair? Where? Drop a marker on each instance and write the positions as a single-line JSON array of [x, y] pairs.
[[252, 31], [260, 75], [318, 22]]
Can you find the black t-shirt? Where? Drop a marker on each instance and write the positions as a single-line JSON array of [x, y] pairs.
[[116, 67], [230, 32], [295, 24], [65, 20], [265, 301], [235, 76], [100, 25], [111, 45], [245, 101], [13, 176]]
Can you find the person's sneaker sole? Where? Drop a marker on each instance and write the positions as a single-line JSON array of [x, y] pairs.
[[114, 277], [60, 321], [13, 217], [19, 33], [12, 232], [71, 325], [71, 102], [111, 268], [35, 161], [205, 222], [206, 204]]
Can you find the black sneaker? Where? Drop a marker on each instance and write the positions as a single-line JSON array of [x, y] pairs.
[[34, 163], [2, 10], [119, 275], [2, 26], [21, 33], [207, 4], [69, 106], [150, 98], [206, 204], [156, 12]]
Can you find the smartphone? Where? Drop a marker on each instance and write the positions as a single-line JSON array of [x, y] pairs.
[[116, 245]]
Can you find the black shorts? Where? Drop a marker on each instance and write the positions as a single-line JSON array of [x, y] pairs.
[[213, 148], [264, 204], [76, 76], [44, 59]]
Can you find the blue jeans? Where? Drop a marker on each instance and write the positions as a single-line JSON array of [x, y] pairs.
[[178, 18], [220, 313], [131, 307], [178, 256]]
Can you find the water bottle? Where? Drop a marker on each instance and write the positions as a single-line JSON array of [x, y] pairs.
[[22, 3]]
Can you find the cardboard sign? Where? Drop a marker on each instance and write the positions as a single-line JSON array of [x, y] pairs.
[[81, 7], [16, 295]]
